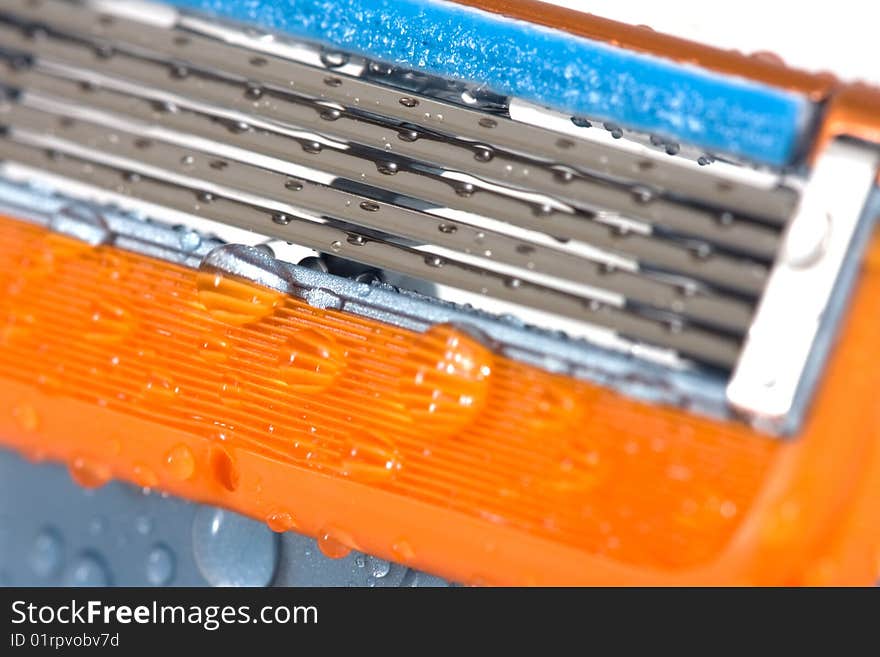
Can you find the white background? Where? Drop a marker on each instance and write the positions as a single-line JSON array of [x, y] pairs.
[[841, 36]]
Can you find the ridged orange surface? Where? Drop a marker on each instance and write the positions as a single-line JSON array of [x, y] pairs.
[[423, 448]]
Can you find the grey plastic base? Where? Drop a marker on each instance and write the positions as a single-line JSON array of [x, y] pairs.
[[55, 533]]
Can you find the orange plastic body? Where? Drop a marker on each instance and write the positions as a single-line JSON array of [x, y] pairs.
[[426, 449]]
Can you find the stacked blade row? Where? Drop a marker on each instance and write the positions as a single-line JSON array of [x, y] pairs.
[[644, 247]]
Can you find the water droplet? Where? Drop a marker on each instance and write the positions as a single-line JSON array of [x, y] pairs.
[[336, 246], [387, 168], [143, 525], [333, 59], [563, 175], [330, 114], [581, 122], [97, 526], [90, 570], [331, 546], [281, 219], [160, 388], [701, 251], [310, 361], [380, 68], [643, 194], [26, 417], [235, 301], [87, 474], [447, 229], [379, 567], [369, 206], [408, 135], [253, 92], [144, 476], [370, 457], [180, 462], [408, 101], [189, 240], [280, 522], [214, 348], [465, 190], [333, 81], [47, 553], [224, 469], [160, 565], [238, 128], [447, 380], [231, 550], [403, 551], [615, 130], [108, 323], [434, 261], [231, 391], [16, 327], [293, 185], [164, 106], [726, 218], [179, 71], [312, 147], [483, 153], [486, 122]]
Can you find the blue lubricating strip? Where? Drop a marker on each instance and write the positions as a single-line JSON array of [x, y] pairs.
[[719, 113]]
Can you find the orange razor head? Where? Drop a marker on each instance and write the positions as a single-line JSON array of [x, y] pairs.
[[506, 346]]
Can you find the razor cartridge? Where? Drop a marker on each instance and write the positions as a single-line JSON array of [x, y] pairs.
[[503, 292]]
